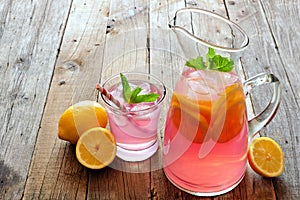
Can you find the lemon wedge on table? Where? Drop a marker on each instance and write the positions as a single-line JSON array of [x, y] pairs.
[[266, 157], [79, 118]]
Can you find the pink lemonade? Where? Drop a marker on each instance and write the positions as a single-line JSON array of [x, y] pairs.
[[135, 130], [205, 144]]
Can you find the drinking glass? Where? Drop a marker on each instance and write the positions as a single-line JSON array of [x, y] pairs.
[[135, 128]]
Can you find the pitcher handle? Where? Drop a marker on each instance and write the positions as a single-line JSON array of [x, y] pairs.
[[263, 118]]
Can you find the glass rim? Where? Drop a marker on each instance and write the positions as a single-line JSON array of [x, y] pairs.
[[242, 47], [115, 108]]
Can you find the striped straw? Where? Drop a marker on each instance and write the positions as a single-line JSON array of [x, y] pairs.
[[110, 97]]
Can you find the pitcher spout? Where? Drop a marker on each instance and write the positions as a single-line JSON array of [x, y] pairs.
[[195, 24]]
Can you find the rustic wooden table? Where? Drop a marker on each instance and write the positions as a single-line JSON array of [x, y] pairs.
[[52, 53]]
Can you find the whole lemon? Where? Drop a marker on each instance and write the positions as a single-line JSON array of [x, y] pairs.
[[79, 118]]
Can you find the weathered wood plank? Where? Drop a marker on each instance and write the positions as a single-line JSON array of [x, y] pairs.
[[55, 172], [125, 50], [165, 64], [270, 27], [283, 19], [126, 39], [101, 39], [30, 35]]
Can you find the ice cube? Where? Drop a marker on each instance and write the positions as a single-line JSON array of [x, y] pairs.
[[198, 86], [117, 93], [141, 106], [203, 84], [146, 88], [230, 78]]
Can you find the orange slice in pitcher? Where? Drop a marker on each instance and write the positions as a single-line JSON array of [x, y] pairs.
[[189, 105], [232, 104], [266, 157], [188, 118]]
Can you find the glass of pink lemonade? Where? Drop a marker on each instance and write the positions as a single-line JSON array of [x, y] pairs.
[[135, 128], [207, 128]]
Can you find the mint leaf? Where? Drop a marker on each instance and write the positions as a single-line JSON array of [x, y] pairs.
[[126, 88], [196, 63], [211, 52], [213, 62], [222, 63], [228, 67], [209, 58], [146, 98], [132, 96]]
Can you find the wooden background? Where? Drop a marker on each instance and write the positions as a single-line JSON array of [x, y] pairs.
[[53, 52]]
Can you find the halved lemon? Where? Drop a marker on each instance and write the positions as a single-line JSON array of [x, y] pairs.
[[79, 118], [96, 148], [266, 157]]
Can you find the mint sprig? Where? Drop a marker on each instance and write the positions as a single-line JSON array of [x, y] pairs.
[[213, 62], [132, 96]]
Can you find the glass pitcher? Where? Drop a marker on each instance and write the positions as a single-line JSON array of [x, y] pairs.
[[207, 128]]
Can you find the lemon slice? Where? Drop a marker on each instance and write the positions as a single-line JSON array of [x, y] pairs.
[[229, 112], [266, 157], [96, 148], [188, 116], [189, 105]]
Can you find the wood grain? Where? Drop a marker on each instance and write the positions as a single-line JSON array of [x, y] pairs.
[[125, 50], [165, 64], [55, 172], [280, 19], [52, 54], [259, 19], [126, 39], [30, 36]]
